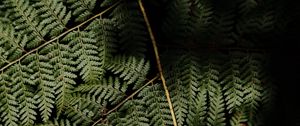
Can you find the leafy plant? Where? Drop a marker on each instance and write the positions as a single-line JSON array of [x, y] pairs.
[[90, 62]]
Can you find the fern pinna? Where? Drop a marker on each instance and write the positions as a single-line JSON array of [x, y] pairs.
[[88, 62]]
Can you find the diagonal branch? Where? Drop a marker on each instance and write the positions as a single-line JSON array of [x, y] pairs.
[[58, 37], [158, 62], [125, 100]]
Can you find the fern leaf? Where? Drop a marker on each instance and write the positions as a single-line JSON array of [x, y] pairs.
[[216, 114], [54, 15], [198, 110], [135, 115], [12, 44], [63, 66], [132, 29], [247, 6], [26, 21], [88, 62], [104, 31], [237, 118], [110, 90], [210, 81], [9, 111], [131, 70], [201, 17], [177, 20], [157, 108], [81, 111], [44, 79], [232, 83], [179, 100], [82, 9], [24, 95], [190, 74], [252, 86]]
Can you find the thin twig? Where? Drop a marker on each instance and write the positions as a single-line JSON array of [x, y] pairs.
[[158, 62], [61, 35], [129, 97]]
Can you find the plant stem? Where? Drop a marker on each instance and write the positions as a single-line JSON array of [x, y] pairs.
[[158, 62]]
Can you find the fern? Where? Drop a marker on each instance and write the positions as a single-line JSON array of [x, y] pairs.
[[44, 79], [252, 84], [233, 88], [216, 103], [82, 9], [54, 14], [131, 70], [198, 110], [157, 108], [24, 94], [177, 20], [134, 114], [131, 29], [26, 21], [88, 62], [85, 52], [9, 111], [64, 72], [110, 90], [10, 43]]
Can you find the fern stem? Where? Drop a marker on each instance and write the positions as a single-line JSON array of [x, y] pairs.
[[125, 100], [58, 37], [158, 62]]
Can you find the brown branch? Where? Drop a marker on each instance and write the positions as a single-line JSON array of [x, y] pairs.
[[125, 100], [61, 35], [158, 62]]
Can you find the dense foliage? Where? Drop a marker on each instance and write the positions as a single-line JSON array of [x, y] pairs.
[[90, 62]]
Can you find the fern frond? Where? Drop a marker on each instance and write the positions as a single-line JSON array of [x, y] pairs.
[[238, 117], [246, 6], [179, 99], [26, 20], [104, 32], [107, 91], [54, 15], [8, 102], [190, 75], [86, 55], [44, 79], [252, 86], [198, 110], [210, 81], [131, 27], [81, 111], [201, 17], [23, 93], [216, 114], [12, 44], [232, 83], [157, 108], [223, 27], [130, 69], [63, 67], [82, 9], [134, 114], [177, 23]]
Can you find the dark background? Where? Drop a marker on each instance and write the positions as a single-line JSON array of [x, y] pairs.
[[284, 63]]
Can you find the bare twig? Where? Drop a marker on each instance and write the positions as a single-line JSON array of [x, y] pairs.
[[158, 62], [61, 35]]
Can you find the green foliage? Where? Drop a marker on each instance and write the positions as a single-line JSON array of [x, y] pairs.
[[58, 70]]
